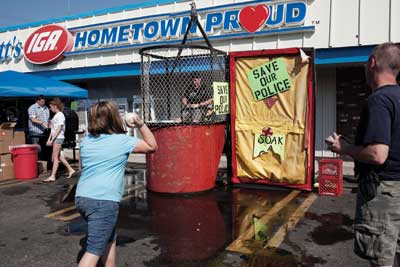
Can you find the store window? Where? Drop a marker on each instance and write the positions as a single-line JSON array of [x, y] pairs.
[[123, 91], [351, 96]]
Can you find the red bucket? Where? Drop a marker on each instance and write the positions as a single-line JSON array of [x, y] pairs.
[[25, 159]]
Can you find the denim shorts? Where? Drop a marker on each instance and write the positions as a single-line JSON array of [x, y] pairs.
[[101, 216], [59, 141]]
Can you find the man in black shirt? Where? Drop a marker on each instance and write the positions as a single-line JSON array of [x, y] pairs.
[[197, 101], [376, 153]]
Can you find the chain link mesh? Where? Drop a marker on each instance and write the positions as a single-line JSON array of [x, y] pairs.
[[177, 84]]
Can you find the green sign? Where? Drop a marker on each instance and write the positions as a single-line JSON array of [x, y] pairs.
[[264, 144], [221, 98], [74, 105], [269, 79]]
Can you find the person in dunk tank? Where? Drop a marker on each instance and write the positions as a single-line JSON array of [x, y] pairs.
[[197, 100], [104, 153]]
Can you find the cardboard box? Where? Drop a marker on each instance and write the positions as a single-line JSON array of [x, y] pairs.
[[4, 146], [19, 138], [7, 130], [5, 160], [10, 137], [7, 172]]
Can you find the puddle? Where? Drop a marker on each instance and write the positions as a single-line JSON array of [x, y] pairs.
[[190, 228], [79, 228], [333, 228], [54, 201], [254, 222], [195, 229], [16, 190], [304, 259], [259, 203], [59, 199], [76, 228], [273, 257], [124, 240], [49, 233]]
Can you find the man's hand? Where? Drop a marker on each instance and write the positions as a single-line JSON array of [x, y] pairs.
[[39, 122], [193, 105], [337, 144]]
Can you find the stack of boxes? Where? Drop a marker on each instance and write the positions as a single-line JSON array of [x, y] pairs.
[[8, 137]]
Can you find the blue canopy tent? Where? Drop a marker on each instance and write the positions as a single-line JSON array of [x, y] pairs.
[[16, 84]]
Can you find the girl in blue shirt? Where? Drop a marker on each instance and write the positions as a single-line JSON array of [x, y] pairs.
[[104, 153]]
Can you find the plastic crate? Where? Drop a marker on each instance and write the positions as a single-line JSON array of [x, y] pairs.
[[329, 186], [330, 167], [330, 177]]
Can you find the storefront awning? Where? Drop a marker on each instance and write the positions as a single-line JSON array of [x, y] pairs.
[[16, 84], [343, 55]]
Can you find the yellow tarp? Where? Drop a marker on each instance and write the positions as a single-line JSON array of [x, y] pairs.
[[286, 117]]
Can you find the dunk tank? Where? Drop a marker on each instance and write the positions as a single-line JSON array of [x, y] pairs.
[[185, 103], [272, 117]]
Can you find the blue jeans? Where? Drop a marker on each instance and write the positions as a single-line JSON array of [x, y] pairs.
[[101, 216]]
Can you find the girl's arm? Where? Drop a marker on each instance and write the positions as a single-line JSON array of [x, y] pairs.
[[148, 144]]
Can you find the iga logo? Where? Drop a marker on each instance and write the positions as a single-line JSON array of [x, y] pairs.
[[48, 44]]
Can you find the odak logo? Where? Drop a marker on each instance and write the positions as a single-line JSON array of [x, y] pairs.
[[48, 44]]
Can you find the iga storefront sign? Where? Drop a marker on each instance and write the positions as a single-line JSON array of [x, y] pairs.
[[221, 22], [51, 43], [48, 44], [11, 49]]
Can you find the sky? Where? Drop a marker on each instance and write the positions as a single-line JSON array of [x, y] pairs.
[[15, 12]]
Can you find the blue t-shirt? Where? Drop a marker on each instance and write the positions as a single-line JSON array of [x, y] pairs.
[[103, 166], [380, 124]]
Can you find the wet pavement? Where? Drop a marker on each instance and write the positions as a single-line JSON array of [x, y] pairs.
[[227, 226]]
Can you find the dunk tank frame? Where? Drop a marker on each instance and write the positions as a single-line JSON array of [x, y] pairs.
[[177, 89]]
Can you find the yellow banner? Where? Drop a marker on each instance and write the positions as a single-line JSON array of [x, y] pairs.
[[284, 159]]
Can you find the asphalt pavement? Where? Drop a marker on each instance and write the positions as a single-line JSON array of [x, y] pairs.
[[227, 226]]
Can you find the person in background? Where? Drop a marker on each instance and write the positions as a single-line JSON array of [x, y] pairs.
[[104, 153], [197, 100], [38, 119], [376, 153], [56, 139]]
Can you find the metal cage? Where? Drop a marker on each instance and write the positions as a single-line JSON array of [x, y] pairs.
[[177, 84]]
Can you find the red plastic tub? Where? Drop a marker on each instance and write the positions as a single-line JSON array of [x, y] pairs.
[[187, 158], [25, 159]]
